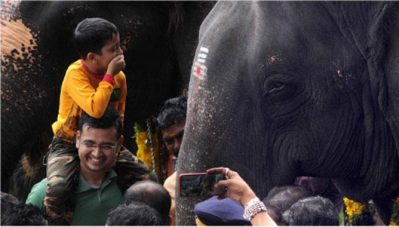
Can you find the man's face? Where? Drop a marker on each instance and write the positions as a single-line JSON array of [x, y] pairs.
[[98, 149], [172, 137], [108, 52]]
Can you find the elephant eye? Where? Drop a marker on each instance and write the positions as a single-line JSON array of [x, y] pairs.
[[271, 87], [276, 86]]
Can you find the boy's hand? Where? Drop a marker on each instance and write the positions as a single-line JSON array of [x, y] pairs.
[[116, 65]]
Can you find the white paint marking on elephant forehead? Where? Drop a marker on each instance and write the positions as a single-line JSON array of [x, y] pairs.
[[202, 55], [16, 36], [204, 49], [199, 69]]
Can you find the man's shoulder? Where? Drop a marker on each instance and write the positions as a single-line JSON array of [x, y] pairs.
[[41, 185], [37, 193], [170, 183]]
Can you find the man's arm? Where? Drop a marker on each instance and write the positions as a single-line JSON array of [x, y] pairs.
[[36, 195]]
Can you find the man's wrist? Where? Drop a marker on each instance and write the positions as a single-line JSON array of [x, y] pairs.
[[248, 196], [254, 207]]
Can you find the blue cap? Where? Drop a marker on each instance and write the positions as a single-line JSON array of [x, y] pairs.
[[215, 211]]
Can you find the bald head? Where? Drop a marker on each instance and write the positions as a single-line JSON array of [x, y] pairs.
[[152, 194]]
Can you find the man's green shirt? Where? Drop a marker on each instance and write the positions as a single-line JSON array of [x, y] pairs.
[[92, 204]]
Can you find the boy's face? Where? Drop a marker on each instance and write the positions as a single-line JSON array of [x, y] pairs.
[[109, 51]]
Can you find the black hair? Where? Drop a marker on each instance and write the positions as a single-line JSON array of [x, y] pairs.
[[91, 34], [13, 212], [173, 111], [109, 119], [315, 210], [135, 213], [280, 199], [152, 194]]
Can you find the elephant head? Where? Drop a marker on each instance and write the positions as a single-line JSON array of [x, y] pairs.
[[286, 89]]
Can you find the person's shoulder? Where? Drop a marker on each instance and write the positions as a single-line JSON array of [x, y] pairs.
[[76, 65], [170, 182], [40, 184], [75, 68], [37, 194]]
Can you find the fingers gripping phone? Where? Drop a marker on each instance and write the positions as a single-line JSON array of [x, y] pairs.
[[198, 184]]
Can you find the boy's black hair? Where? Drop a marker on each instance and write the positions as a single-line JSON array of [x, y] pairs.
[[135, 213], [109, 119], [91, 34], [173, 111]]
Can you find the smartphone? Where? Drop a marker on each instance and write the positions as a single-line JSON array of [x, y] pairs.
[[198, 184]]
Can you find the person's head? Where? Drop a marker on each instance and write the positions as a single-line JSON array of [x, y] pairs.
[[13, 212], [97, 42], [314, 210], [214, 211], [279, 199], [171, 120], [152, 194], [98, 141], [135, 213]]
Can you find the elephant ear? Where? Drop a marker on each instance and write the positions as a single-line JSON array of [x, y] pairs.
[[374, 28]]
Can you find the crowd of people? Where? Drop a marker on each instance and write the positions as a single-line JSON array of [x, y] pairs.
[[92, 179]]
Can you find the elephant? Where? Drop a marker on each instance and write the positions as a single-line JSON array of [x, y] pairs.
[[159, 41], [286, 89]]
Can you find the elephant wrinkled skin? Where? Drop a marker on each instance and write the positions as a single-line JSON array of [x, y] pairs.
[[286, 89]]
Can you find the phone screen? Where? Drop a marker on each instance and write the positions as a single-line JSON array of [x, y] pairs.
[[198, 184]]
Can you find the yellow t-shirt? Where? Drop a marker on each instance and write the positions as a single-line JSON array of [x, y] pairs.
[[81, 91]]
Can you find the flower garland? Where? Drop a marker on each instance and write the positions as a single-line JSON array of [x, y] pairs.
[[144, 152], [395, 213], [357, 213]]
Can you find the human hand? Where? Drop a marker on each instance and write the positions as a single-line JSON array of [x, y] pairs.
[[233, 187], [116, 65]]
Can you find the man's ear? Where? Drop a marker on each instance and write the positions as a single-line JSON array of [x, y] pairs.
[[77, 139], [121, 139], [119, 145]]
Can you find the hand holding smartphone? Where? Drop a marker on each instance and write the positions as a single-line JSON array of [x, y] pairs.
[[198, 184]]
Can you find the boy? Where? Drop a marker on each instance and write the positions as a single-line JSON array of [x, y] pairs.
[[90, 85]]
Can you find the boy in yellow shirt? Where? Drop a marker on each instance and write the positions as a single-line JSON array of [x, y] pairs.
[[90, 85]]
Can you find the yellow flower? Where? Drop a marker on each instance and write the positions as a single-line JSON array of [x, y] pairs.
[[353, 208], [143, 150], [395, 213]]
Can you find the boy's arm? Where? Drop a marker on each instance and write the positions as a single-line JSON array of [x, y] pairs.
[[90, 100], [122, 103], [36, 195]]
